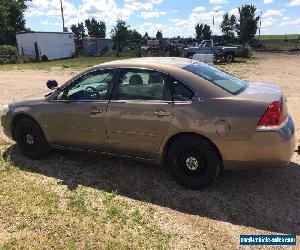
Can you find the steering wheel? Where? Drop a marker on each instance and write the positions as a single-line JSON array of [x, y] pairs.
[[91, 92]]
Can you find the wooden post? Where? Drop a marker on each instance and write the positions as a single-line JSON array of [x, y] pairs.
[[37, 54]]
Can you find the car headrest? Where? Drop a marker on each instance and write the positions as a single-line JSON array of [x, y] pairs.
[[136, 80]]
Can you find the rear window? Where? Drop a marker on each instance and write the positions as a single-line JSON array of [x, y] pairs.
[[224, 80]]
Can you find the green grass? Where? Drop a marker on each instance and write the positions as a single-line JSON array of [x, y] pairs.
[[280, 37], [277, 44], [78, 63], [64, 64], [37, 212], [280, 42]]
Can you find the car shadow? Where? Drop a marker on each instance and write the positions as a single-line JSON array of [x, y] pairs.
[[266, 199]]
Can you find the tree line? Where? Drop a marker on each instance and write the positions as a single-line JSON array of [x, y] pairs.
[[12, 21], [245, 26]]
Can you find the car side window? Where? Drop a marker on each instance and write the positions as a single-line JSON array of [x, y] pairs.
[[181, 92], [141, 84], [91, 86]]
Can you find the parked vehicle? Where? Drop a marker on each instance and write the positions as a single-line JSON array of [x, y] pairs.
[[228, 53], [144, 48], [154, 49], [46, 45], [188, 115]]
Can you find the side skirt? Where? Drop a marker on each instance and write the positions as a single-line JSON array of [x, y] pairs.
[[76, 149]]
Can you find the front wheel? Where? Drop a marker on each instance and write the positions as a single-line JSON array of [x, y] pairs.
[[193, 161], [31, 139]]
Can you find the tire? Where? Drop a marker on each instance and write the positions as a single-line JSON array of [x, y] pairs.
[[44, 58], [30, 138], [190, 54], [193, 161], [229, 57]]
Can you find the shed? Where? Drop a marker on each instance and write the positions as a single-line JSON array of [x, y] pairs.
[[94, 46]]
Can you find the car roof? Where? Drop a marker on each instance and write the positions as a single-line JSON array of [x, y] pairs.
[[177, 62]]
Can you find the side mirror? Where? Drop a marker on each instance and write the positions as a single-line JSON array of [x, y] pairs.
[[52, 84]]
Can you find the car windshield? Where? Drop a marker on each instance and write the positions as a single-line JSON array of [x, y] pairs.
[[224, 80]]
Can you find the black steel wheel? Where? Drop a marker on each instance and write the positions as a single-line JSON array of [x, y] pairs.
[[193, 161], [31, 139]]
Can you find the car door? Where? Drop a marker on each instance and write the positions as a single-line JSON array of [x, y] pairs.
[[140, 112], [76, 117]]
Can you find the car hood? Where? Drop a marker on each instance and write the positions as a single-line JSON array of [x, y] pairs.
[[34, 97], [191, 48]]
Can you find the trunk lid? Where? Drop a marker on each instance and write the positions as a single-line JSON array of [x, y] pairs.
[[265, 93]]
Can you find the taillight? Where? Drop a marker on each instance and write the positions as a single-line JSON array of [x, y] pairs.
[[273, 116]]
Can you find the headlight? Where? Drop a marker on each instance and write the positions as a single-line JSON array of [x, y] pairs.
[[5, 109]]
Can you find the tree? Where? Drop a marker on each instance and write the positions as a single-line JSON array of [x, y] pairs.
[[11, 20], [206, 32], [228, 26], [159, 35], [134, 36], [119, 34], [146, 36], [78, 31], [95, 28], [248, 23], [199, 31], [203, 31]]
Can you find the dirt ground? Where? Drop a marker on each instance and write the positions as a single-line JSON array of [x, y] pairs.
[[248, 202]]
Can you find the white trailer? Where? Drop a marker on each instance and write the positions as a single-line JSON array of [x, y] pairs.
[[46, 45]]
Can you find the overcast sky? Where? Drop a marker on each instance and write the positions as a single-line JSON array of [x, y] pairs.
[[174, 18]]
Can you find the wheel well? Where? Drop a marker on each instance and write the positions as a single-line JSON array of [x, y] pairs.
[[175, 137], [230, 53], [16, 119]]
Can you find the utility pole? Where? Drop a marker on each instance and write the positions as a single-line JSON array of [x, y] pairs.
[[62, 15], [259, 26], [213, 21]]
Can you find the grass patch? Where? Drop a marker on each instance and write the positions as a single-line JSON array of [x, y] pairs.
[[72, 63], [37, 212], [281, 37], [78, 63], [280, 42]]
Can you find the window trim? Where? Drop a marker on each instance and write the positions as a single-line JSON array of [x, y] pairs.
[[109, 91], [115, 91], [185, 84]]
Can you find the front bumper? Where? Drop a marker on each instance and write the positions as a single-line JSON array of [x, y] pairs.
[[263, 150], [5, 123]]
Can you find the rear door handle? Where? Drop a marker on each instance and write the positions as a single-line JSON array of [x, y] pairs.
[[160, 113], [95, 111]]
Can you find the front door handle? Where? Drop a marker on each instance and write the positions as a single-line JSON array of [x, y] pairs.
[[160, 113], [95, 111]]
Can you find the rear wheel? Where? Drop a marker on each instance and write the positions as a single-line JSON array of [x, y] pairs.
[[229, 57], [193, 161], [31, 139]]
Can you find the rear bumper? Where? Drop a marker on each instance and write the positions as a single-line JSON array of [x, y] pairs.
[[265, 149]]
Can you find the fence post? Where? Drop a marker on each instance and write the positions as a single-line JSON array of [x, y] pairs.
[[37, 54]]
